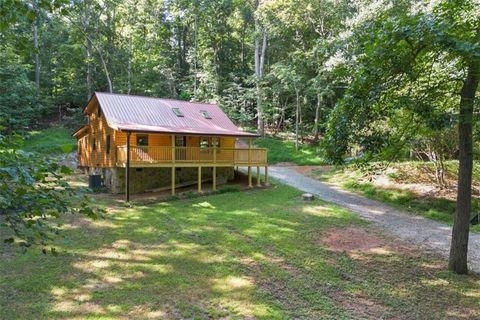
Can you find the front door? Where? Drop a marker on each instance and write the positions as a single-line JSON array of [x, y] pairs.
[[180, 150]]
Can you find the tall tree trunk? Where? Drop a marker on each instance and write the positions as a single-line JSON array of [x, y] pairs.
[[216, 59], [129, 67], [317, 116], [195, 35], [35, 44], [105, 69], [297, 115], [459, 247], [89, 68], [259, 64], [300, 111], [98, 48], [88, 49], [244, 32]]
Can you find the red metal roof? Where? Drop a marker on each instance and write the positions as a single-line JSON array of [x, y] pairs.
[[149, 114]]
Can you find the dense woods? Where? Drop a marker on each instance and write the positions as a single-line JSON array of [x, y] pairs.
[[376, 79], [266, 63]]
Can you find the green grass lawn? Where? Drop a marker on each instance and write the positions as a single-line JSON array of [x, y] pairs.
[[284, 151], [261, 254], [50, 141], [435, 208]]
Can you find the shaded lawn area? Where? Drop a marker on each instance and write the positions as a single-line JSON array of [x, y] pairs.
[[264, 254], [284, 151], [432, 206]]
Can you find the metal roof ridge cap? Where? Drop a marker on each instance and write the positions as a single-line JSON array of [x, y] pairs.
[[156, 98]]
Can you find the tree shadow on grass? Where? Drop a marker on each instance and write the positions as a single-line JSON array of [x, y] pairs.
[[231, 255]]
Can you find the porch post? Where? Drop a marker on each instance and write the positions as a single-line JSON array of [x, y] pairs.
[[199, 179], [249, 150], [127, 170], [249, 161], [266, 175], [214, 169], [173, 149], [173, 180], [214, 182], [249, 176], [258, 176], [173, 165]]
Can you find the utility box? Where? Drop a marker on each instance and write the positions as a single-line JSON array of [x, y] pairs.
[[94, 181]]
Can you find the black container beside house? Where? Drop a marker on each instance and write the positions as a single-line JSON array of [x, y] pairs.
[[94, 181]]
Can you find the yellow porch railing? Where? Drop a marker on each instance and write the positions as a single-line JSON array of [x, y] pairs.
[[167, 156]]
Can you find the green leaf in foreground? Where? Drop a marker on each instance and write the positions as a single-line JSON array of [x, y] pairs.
[[34, 194]]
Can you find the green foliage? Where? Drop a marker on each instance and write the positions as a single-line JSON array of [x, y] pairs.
[[18, 103], [284, 151], [50, 141], [406, 68], [174, 49], [33, 193]]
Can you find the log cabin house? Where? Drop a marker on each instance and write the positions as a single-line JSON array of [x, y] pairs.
[[140, 144]]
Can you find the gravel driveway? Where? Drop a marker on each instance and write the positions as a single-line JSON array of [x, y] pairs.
[[414, 229]]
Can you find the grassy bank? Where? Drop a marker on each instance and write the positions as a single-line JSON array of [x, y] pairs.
[[436, 205], [50, 141], [280, 150], [260, 254]]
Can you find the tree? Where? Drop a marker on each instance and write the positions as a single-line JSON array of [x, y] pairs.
[[414, 64], [33, 193], [291, 80], [260, 49], [18, 102], [35, 43]]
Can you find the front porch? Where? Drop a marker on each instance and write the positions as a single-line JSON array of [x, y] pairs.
[[206, 159], [164, 156]]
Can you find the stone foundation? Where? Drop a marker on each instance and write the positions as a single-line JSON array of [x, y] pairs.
[[145, 179]]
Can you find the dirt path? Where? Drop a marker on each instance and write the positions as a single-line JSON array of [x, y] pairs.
[[415, 229]]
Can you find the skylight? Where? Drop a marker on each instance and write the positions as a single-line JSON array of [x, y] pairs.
[[177, 112], [205, 114]]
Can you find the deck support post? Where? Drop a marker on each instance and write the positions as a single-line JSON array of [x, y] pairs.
[[250, 177], [258, 176], [214, 176], [127, 170], [173, 148], [249, 151], [200, 179], [173, 180], [173, 165], [266, 176]]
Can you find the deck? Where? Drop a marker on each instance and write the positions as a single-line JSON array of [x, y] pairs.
[[163, 156]]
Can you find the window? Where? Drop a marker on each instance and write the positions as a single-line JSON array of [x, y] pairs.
[[87, 119], [108, 145], [177, 112], [142, 140], [205, 114], [215, 142], [94, 144], [180, 141], [203, 143]]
